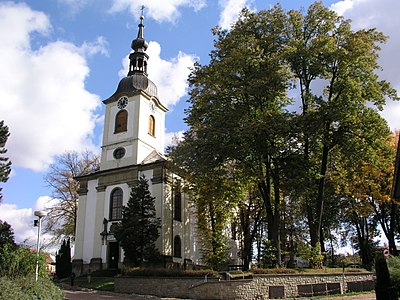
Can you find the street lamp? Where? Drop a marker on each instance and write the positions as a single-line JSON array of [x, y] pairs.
[[40, 214]]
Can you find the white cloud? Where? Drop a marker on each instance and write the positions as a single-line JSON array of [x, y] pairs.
[[21, 221], [384, 17], [342, 6], [44, 100], [171, 138], [230, 11], [170, 76], [74, 6], [161, 11]]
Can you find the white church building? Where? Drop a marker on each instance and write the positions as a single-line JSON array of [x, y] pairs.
[[132, 146]]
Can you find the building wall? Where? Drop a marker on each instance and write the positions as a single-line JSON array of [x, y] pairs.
[[251, 289], [136, 140], [94, 207]]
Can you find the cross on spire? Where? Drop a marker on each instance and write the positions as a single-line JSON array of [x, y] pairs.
[[138, 59]]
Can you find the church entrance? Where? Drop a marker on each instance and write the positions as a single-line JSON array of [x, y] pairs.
[[113, 255]]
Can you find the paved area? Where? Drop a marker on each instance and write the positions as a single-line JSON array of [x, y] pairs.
[[96, 295], [369, 296]]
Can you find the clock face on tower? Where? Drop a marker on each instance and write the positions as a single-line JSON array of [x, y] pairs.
[[122, 102]]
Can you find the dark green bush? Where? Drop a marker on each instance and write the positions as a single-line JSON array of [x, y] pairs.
[[383, 285], [17, 276], [21, 262], [26, 288], [393, 263]]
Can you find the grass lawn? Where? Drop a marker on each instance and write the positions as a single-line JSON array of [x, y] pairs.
[[96, 283]]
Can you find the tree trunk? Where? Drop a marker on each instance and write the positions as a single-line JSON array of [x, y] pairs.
[[315, 220], [272, 207], [363, 240]]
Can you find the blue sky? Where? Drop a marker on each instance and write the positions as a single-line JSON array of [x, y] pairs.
[[60, 58]]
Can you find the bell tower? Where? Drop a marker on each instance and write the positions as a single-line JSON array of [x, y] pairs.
[[134, 122]]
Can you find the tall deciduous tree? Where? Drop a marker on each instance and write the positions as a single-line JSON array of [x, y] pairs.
[[365, 173], [62, 213], [139, 228], [237, 122], [335, 69], [5, 164]]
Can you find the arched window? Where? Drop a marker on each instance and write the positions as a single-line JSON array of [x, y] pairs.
[[121, 121], [177, 246], [152, 124], [116, 204], [178, 206]]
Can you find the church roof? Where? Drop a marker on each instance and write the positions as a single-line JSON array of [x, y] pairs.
[[153, 157], [136, 79], [133, 84]]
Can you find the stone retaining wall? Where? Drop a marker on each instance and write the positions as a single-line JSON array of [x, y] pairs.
[[259, 288]]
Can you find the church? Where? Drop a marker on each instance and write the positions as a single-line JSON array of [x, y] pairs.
[[133, 146]]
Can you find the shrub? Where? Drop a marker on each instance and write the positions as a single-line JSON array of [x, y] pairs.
[[26, 288], [274, 271], [393, 263], [21, 262], [167, 272], [383, 285]]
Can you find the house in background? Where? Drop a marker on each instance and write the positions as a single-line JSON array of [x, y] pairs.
[[132, 146]]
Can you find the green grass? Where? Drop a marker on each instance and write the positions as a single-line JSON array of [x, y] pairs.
[[96, 283]]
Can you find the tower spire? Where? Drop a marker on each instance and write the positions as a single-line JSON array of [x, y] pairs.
[[138, 58]]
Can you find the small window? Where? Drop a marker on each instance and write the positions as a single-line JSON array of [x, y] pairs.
[[121, 121], [152, 126], [116, 204], [178, 206], [177, 246], [119, 153]]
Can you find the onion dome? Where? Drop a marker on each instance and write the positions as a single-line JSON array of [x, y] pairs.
[[136, 79]]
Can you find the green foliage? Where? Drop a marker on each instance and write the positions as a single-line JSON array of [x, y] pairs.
[[240, 131], [316, 256], [268, 254], [274, 271], [17, 271], [5, 164], [312, 254], [139, 227], [393, 263], [338, 118], [215, 252], [26, 288], [383, 284], [63, 260], [21, 262], [6, 235], [168, 273]]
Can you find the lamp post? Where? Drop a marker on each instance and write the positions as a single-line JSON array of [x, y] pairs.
[[40, 214]]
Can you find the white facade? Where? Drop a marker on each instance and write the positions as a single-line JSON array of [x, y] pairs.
[[133, 143]]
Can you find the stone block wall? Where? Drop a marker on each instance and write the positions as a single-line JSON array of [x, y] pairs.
[[259, 288]]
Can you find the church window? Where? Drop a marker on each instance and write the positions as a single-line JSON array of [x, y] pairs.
[[177, 246], [116, 204], [152, 124], [121, 121], [178, 206], [119, 153]]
